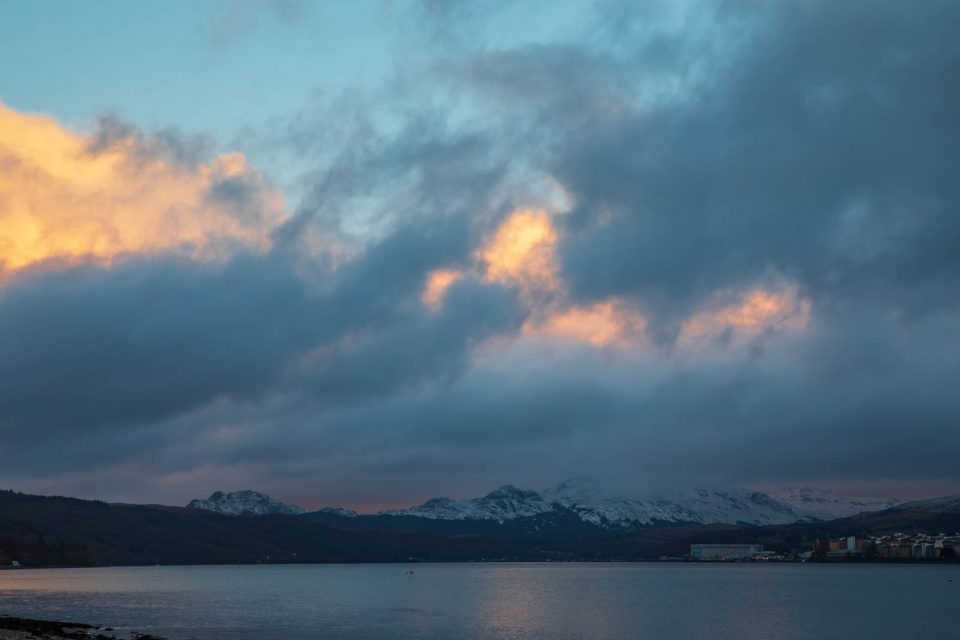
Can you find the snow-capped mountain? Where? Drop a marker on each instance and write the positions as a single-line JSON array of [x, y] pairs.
[[945, 504], [244, 503], [738, 506], [576, 505], [704, 506], [338, 511], [826, 505], [506, 503], [616, 513], [593, 505]]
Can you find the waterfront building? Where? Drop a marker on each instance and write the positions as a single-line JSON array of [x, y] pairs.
[[724, 551]]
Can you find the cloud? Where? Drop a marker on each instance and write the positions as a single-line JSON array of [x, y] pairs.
[[68, 197], [122, 312], [691, 243], [521, 251], [604, 323], [803, 155], [144, 339], [756, 310], [235, 20], [438, 282]]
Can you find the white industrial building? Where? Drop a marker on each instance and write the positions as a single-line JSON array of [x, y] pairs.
[[724, 551]]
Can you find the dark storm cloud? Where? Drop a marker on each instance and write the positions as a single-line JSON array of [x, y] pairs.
[[146, 339], [819, 147], [814, 141], [807, 143], [863, 400], [420, 346], [132, 350], [839, 408], [811, 144], [97, 347]]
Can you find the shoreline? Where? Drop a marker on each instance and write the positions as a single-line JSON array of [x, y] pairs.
[[16, 628], [678, 560]]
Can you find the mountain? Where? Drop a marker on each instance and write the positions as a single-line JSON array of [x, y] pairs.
[[580, 507], [946, 504], [337, 511], [507, 512], [930, 515], [594, 506], [44, 531], [41, 531], [585, 498], [703, 506], [244, 503], [576, 507], [506, 503], [826, 505], [57, 531]]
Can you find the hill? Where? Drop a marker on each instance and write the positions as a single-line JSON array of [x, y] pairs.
[[40, 531]]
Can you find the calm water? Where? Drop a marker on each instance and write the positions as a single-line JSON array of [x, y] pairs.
[[529, 601]]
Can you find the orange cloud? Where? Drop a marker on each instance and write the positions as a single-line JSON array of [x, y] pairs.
[[758, 310], [436, 287], [61, 198], [521, 251], [605, 323]]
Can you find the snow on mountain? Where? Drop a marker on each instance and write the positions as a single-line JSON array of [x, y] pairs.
[[946, 504], [506, 503], [244, 503], [339, 511], [704, 506], [590, 502], [737, 506], [592, 505], [826, 505]]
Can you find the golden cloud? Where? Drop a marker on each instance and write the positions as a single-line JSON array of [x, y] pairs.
[[756, 310], [64, 199], [438, 282], [610, 322], [521, 251]]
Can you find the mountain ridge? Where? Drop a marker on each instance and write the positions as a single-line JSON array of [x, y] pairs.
[[244, 503], [43, 531], [623, 514], [524, 511]]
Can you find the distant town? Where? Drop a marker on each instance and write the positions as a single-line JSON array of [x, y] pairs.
[[896, 546]]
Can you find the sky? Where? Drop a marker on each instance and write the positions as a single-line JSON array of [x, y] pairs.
[[367, 253]]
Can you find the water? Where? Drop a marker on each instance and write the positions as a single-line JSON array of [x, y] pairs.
[[655, 601]]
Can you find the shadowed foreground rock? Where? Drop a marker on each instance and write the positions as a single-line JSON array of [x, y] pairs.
[[28, 629]]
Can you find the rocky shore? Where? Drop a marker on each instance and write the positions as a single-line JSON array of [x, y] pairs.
[[12, 628]]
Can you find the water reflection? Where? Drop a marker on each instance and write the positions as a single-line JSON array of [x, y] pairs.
[[499, 601]]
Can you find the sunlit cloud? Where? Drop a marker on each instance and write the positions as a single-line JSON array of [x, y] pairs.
[[753, 312], [437, 283], [609, 322], [522, 251], [65, 198]]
